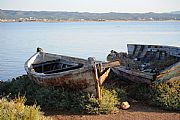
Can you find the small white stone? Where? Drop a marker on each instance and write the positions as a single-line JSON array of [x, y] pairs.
[[125, 105]]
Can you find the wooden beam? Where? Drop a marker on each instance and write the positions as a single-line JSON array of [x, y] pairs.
[[111, 64]]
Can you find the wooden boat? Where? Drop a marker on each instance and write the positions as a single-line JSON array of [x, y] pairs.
[[143, 63], [57, 70]]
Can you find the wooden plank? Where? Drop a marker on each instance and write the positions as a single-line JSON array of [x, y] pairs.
[[103, 77], [57, 61], [46, 63], [110, 64], [98, 87], [64, 69]]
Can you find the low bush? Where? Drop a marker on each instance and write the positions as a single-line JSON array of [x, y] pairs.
[[141, 92], [58, 98], [20, 86], [166, 95], [110, 98], [16, 110]]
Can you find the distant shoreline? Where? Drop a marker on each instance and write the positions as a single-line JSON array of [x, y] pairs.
[[63, 16], [56, 21]]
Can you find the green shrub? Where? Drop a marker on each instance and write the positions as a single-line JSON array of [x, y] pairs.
[[166, 95], [140, 92], [110, 98], [89, 104], [109, 101], [4, 88], [166, 92], [58, 98], [20, 86], [64, 99], [16, 110]]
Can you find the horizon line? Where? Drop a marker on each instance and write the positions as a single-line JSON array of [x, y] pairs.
[[84, 11]]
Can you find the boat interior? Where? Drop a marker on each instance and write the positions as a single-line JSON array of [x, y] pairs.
[[55, 66]]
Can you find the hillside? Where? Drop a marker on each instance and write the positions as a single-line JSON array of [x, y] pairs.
[[57, 15]]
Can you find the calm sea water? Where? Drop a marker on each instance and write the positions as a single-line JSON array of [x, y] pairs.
[[18, 41]]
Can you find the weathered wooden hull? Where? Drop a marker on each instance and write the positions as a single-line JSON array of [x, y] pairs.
[[84, 78], [138, 65], [160, 52], [133, 76], [77, 80]]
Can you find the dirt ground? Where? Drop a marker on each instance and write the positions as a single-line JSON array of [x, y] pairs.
[[136, 112]]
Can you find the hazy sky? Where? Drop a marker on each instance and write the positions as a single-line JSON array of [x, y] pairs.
[[93, 5]]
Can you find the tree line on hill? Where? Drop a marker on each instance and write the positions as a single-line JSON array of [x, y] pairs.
[[58, 15]]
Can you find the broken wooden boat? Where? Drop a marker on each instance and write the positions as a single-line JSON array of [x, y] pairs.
[[57, 70], [143, 63]]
